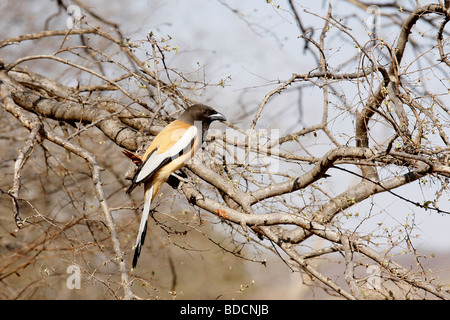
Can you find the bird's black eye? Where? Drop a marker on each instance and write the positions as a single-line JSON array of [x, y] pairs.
[[205, 112]]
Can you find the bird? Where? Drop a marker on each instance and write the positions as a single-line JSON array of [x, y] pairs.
[[169, 151]]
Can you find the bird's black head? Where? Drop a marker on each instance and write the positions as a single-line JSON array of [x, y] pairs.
[[201, 112]]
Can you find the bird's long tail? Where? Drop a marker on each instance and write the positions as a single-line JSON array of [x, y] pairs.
[[143, 226]]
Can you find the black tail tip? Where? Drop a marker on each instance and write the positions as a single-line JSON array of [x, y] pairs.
[[137, 253], [139, 245]]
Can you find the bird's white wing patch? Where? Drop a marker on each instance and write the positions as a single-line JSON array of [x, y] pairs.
[[157, 160]]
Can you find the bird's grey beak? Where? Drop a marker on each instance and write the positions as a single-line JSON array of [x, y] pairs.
[[217, 116]]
